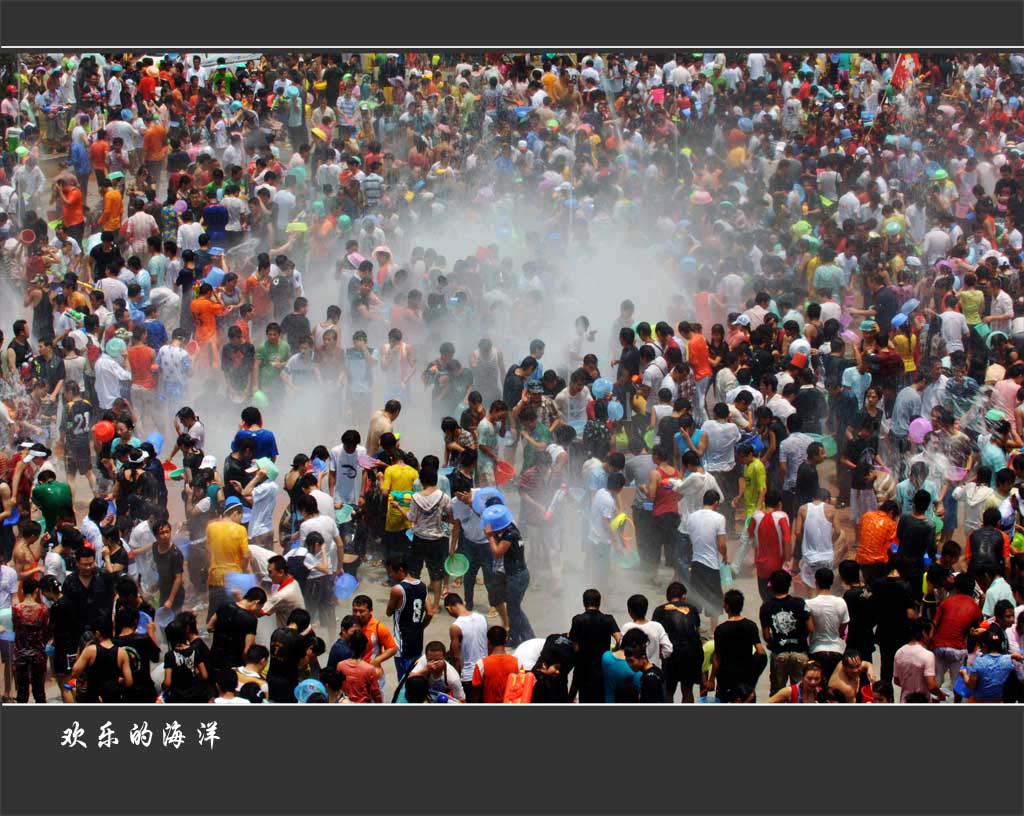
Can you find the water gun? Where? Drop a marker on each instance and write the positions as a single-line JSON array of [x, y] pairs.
[[556, 500]]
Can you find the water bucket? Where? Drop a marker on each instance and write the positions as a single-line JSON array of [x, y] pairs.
[[164, 616], [504, 472], [242, 581], [345, 586], [456, 565], [156, 439]]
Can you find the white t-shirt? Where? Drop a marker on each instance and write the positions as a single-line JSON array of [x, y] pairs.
[[954, 327], [472, 524], [720, 454], [659, 647], [451, 684], [231, 701], [259, 560], [528, 652], [348, 473], [829, 613], [601, 507], [54, 565], [474, 642], [264, 498], [329, 530], [704, 527]]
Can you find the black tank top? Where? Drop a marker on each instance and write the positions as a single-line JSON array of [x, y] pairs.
[[102, 671], [409, 619], [42, 319]]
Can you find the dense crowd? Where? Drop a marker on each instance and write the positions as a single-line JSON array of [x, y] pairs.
[[825, 416]]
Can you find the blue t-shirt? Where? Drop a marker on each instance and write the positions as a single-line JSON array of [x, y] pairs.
[[992, 671], [617, 674], [266, 444]]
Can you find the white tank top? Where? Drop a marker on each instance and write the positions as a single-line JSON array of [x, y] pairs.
[[474, 642], [817, 543]]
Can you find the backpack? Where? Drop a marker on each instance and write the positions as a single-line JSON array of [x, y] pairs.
[[297, 564], [519, 687]]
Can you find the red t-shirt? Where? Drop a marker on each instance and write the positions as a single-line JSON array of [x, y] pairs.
[[700, 358], [141, 359], [954, 618], [770, 531], [492, 673]]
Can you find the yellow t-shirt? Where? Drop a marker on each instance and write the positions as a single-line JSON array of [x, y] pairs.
[[227, 543], [906, 346], [398, 479], [971, 302], [755, 479], [812, 264]]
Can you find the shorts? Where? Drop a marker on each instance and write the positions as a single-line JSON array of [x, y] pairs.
[[705, 588], [78, 461], [787, 668], [431, 552], [684, 671], [64, 656], [861, 502], [808, 568], [497, 588]]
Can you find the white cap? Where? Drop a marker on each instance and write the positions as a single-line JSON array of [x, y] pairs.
[[209, 461]]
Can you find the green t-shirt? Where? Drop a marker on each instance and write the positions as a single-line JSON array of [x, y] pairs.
[[755, 480], [267, 355], [53, 499]]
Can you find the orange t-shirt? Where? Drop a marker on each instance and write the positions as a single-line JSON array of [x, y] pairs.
[[113, 207], [378, 639], [72, 213], [877, 531], [259, 295], [206, 312], [700, 357], [140, 360], [98, 155], [492, 673], [153, 142]]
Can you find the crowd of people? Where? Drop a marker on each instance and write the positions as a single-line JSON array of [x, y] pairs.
[[366, 252]]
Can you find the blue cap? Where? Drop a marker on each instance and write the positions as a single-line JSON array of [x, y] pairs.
[[126, 115], [845, 134], [307, 688], [498, 516], [232, 501], [216, 252]]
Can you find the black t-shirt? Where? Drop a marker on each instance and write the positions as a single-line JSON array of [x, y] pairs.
[[236, 361], [62, 620], [652, 686], [233, 625], [734, 645], [786, 619], [682, 625], [512, 388], [515, 555], [287, 648], [142, 653], [807, 486], [186, 684], [862, 453], [891, 599], [186, 279], [168, 566], [77, 427], [295, 327], [885, 304], [916, 537], [234, 471], [592, 633], [629, 360], [861, 631], [103, 260]]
